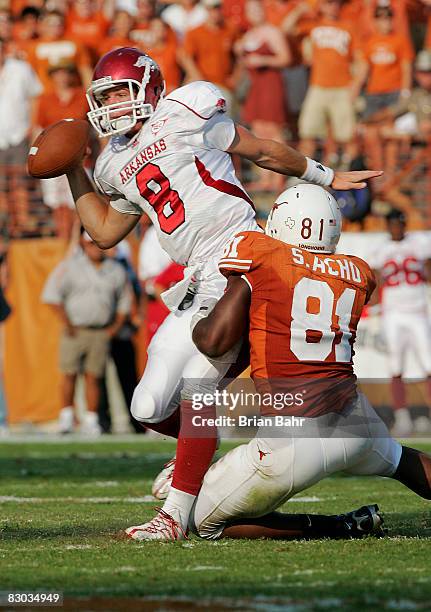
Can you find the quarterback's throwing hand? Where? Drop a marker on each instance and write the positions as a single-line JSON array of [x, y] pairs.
[[354, 179]]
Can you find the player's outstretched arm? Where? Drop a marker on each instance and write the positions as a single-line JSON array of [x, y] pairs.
[[283, 159], [217, 333], [105, 225]]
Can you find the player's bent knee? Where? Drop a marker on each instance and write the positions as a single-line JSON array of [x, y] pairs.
[[144, 407], [203, 521], [207, 529]]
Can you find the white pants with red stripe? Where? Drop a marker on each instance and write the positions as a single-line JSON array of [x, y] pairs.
[[175, 367], [256, 478]]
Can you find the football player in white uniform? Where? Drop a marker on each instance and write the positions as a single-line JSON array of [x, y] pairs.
[[170, 157], [403, 269]]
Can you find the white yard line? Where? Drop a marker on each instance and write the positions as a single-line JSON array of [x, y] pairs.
[[202, 568], [310, 500], [145, 499], [50, 438]]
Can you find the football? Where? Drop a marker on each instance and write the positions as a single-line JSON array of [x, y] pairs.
[[58, 148]]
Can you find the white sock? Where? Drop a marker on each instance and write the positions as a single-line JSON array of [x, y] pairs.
[[66, 416], [179, 504]]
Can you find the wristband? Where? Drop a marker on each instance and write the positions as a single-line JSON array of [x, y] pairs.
[[318, 173]]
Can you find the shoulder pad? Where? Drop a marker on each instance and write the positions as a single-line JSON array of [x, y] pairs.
[[201, 98]]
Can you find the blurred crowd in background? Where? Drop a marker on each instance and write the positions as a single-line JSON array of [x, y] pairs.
[[348, 82]]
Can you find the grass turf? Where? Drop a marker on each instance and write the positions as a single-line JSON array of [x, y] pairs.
[[62, 505]]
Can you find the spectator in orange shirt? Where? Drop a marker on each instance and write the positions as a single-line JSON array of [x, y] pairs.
[[387, 62], [87, 24], [65, 99], [400, 10], [361, 12], [208, 49], [119, 35], [25, 30], [163, 50], [145, 13], [142, 35], [53, 47], [332, 90]]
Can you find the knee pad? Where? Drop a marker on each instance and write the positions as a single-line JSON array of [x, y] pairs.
[[143, 407]]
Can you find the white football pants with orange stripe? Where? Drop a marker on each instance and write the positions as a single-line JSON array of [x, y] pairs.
[[256, 478]]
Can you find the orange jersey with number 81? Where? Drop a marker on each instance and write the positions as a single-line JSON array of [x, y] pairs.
[[305, 308]]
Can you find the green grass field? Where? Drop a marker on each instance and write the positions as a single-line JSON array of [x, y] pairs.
[[63, 503]]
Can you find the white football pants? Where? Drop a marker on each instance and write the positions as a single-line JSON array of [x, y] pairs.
[[404, 331], [256, 478], [175, 368]]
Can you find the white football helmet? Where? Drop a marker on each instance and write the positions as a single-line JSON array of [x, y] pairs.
[[306, 216]]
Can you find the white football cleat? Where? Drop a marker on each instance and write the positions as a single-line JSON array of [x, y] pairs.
[[163, 481], [66, 421], [422, 425], [162, 527]]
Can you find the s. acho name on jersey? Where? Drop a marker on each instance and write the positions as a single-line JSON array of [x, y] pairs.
[[304, 312], [341, 266]]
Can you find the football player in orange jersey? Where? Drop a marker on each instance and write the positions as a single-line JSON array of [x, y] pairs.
[[302, 304]]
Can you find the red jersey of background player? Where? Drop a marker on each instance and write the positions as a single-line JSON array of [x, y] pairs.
[[305, 308]]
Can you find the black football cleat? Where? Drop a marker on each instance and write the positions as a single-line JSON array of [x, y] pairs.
[[365, 521]]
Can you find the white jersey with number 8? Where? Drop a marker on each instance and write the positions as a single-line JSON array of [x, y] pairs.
[[176, 170]]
